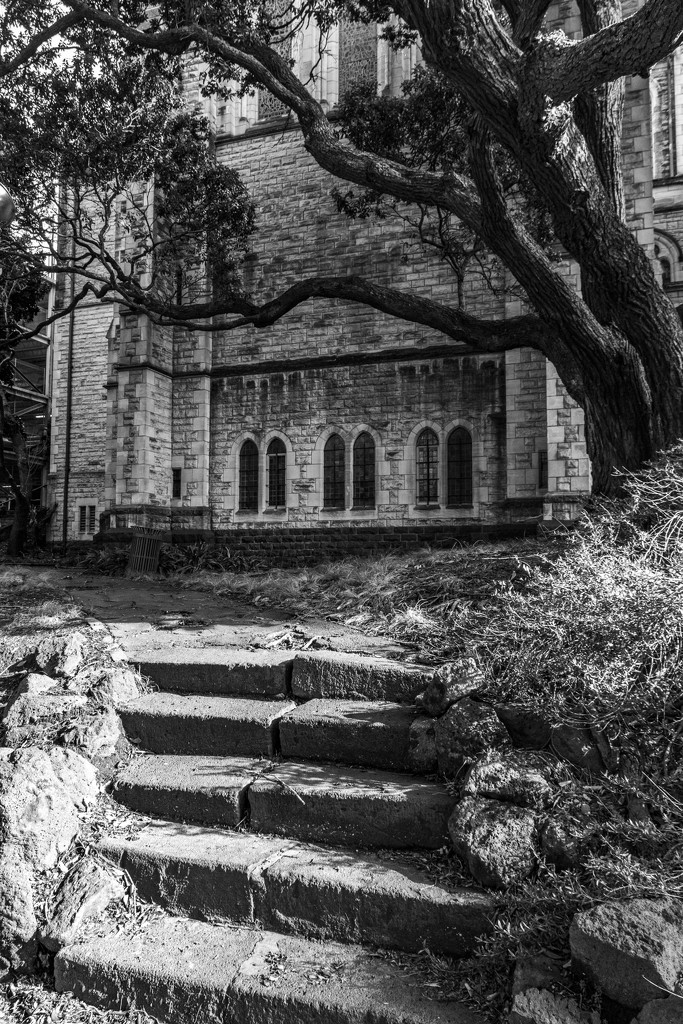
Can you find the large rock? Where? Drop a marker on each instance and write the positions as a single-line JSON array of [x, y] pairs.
[[422, 745], [538, 1006], [661, 1011], [36, 718], [563, 842], [99, 735], [529, 730], [463, 732], [586, 749], [18, 924], [497, 840], [82, 895], [628, 948], [536, 972], [77, 775], [118, 685], [449, 684], [72, 655], [514, 777], [37, 815], [36, 683]]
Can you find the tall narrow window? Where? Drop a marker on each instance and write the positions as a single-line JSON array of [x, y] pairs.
[[277, 473], [364, 471], [248, 496], [333, 473], [459, 455], [176, 478], [543, 471], [427, 452]]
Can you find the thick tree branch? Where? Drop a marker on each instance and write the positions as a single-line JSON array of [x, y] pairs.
[[486, 335], [453, 191], [32, 47], [628, 47], [530, 21]]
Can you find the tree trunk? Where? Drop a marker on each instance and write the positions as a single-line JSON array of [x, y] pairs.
[[20, 524]]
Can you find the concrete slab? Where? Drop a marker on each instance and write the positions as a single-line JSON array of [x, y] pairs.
[[187, 971], [215, 670], [211, 789], [168, 723], [294, 887], [374, 733], [321, 803], [354, 677]]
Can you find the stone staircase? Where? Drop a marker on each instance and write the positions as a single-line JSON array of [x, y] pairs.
[[272, 780]]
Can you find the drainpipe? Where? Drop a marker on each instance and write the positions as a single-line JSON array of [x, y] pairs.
[[69, 389]]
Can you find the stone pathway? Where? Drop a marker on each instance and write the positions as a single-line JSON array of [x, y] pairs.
[[270, 778]]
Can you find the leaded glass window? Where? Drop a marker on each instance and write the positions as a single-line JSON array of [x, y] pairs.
[[334, 473], [364, 471], [427, 453], [459, 458], [277, 473], [248, 477]]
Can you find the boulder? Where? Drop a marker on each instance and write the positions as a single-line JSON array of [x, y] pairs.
[[18, 923], [35, 683], [77, 775], [119, 685], [515, 777], [536, 972], [661, 1011], [496, 840], [82, 895], [449, 684], [72, 656], [35, 718], [100, 735], [537, 1006], [563, 840], [422, 745], [463, 732], [37, 815], [529, 730], [586, 749], [627, 948]]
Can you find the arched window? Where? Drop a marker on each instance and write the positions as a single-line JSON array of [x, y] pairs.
[[277, 473], [459, 467], [427, 452], [333, 473], [248, 497], [364, 471]]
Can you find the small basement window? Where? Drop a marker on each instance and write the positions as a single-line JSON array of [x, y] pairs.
[[87, 518]]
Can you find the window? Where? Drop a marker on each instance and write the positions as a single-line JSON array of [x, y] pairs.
[[333, 473], [87, 518], [364, 471], [277, 473], [543, 471], [427, 451], [177, 482], [459, 469], [248, 483]]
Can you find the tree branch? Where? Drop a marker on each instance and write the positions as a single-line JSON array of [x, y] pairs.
[[629, 47], [31, 48]]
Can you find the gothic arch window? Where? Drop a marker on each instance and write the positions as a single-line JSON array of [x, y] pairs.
[[334, 472], [669, 258], [316, 61], [394, 67], [364, 471], [235, 114], [248, 477], [427, 467], [459, 467], [276, 459]]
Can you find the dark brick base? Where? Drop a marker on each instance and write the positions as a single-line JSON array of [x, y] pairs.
[[289, 548]]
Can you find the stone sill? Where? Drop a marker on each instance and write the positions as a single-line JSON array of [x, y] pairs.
[[426, 508]]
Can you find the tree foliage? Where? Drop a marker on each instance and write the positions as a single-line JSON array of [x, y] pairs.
[[512, 133]]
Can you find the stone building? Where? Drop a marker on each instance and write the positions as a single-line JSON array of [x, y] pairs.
[[339, 428]]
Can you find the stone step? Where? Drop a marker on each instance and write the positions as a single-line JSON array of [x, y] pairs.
[[182, 972], [374, 733], [354, 677], [168, 723], [293, 887], [316, 803], [217, 670]]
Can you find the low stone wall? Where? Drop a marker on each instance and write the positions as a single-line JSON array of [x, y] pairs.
[[294, 547]]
